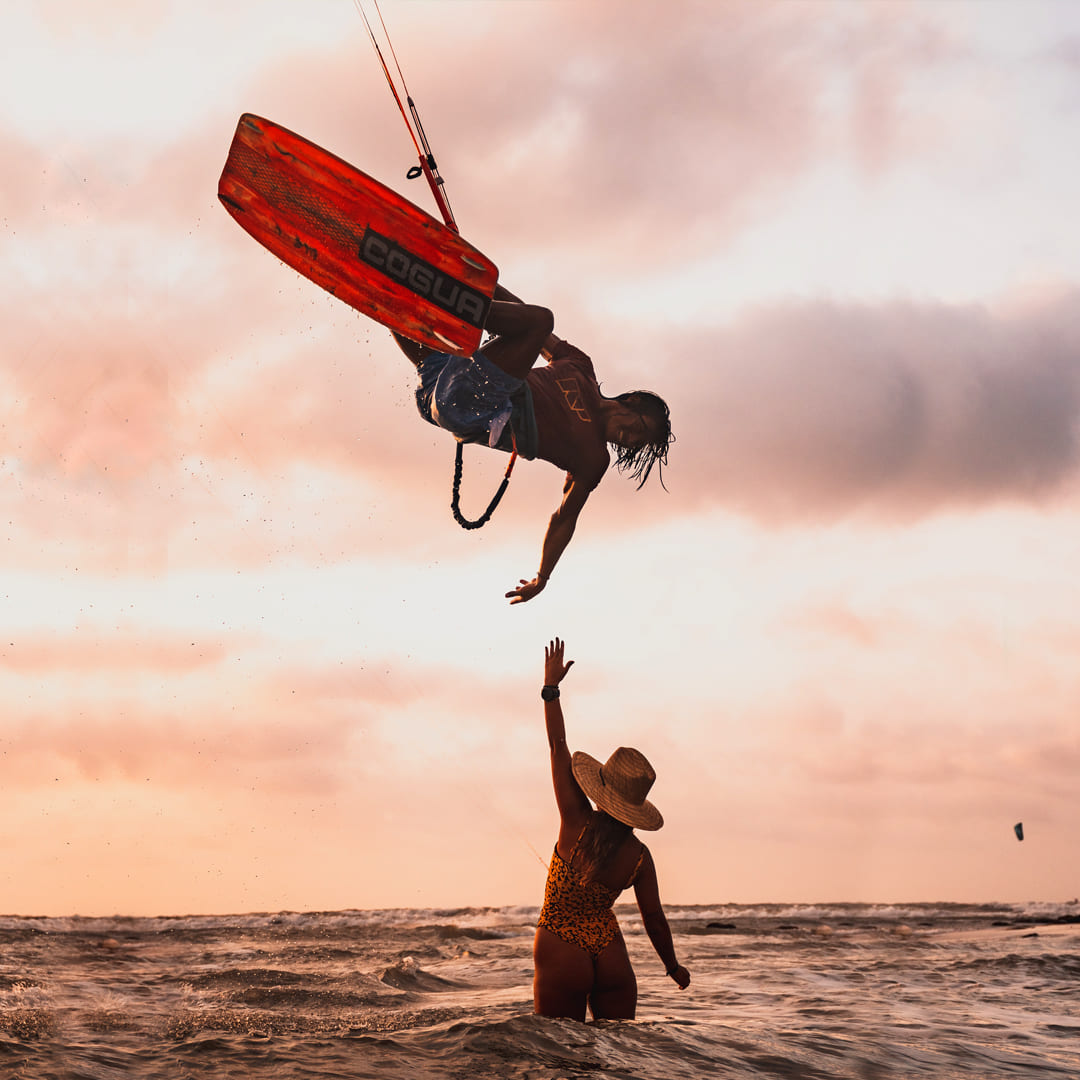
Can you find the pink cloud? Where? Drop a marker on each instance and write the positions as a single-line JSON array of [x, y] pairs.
[[805, 412], [25, 164], [117, 376], [959, 760], [837, 621], [656, 145], [294, 728], [119, 652]]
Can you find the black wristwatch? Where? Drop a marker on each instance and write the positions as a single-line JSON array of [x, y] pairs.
[[549, 693]]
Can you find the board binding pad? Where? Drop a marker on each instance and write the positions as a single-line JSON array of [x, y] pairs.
[[356, 238]]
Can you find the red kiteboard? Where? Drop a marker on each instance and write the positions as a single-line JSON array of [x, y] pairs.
[[357, 238]]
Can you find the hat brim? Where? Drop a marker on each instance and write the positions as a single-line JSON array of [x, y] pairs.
[[587, 772]]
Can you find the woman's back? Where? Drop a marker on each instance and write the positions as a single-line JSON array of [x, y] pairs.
[[584, 883], [606, 853]]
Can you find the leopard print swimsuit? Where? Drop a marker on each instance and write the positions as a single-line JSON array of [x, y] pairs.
[[579, 911]]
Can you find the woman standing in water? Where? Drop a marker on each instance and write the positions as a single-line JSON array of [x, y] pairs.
[[579, 954]]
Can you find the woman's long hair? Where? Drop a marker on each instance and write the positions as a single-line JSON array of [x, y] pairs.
[[603, 838]]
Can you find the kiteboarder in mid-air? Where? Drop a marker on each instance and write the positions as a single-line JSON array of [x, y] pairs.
[[376, 251], [555, 412]]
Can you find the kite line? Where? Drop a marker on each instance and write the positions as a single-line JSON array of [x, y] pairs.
[[430, 170], [427, 166]]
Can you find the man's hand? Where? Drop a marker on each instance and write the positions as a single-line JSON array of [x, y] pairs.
[[526, 590]]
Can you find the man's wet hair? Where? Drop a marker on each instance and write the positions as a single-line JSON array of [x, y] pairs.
[[639, 462]]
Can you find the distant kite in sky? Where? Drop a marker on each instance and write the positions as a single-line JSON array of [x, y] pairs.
[[1018, 828]]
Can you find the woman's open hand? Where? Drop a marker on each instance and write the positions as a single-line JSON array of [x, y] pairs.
[[554, 668]]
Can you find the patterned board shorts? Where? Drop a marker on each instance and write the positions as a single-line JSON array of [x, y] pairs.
[[468, 396]]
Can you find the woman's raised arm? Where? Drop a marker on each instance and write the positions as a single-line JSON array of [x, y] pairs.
[[570, 799]]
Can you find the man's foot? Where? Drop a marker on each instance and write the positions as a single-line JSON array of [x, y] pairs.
[[412, 349]]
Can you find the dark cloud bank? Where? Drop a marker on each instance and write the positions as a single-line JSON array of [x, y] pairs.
[[816, 410]]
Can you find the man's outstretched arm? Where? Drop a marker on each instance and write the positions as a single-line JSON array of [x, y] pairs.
[[559, 532]]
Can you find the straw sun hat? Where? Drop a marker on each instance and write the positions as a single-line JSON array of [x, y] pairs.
[[619, 786]]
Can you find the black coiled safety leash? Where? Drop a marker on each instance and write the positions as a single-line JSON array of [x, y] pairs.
[[455, 503]]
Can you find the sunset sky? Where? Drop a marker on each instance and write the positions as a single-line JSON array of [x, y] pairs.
[[249, 662]]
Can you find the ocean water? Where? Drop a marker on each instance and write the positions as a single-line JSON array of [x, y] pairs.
[[971, 992]]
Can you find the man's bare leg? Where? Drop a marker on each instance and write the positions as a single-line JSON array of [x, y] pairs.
[[521, 332], [551, 345]]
